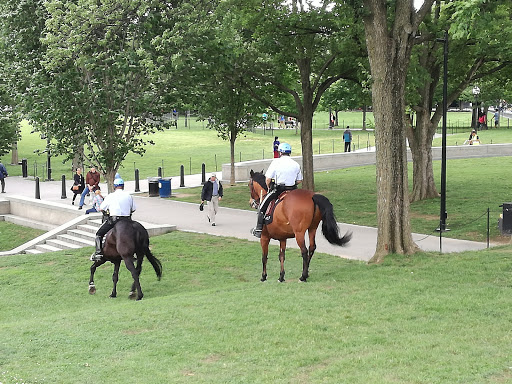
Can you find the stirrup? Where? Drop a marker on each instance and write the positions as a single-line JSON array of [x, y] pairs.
[[96, 256], [256, 232]]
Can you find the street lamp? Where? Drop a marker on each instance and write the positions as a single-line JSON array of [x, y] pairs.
[[476, 92], [443, 214]]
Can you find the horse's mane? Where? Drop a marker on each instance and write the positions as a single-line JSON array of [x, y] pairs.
[[260, 179]]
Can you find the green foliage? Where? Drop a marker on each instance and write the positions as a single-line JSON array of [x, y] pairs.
[[104, 84], [424, 319]]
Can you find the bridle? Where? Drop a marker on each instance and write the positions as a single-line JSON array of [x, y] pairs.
[[255, 200]]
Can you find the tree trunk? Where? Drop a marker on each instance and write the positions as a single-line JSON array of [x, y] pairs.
[[306, 138], [420, 142], [364, 117], [389, 55], [14, 154], [232, 138]]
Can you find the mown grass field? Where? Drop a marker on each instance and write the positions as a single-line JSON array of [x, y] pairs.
[[195, 144], [12, 235], [424, 319]]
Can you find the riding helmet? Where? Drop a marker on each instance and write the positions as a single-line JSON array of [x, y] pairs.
[[284, 148], [118, 182]]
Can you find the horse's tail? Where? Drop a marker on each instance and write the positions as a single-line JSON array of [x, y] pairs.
[[157, 265], [330, 228], [143, 241]]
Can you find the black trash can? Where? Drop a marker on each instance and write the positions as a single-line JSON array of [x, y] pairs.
[[153, 186], [506, 219]]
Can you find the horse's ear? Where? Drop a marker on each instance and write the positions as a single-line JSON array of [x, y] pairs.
[[251, 173], [262, 171]]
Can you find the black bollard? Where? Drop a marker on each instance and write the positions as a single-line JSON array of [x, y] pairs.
[[182, 176], [24, 168], [63, 196], [137, 187], [203, 173], [38, 193], [160, 172]]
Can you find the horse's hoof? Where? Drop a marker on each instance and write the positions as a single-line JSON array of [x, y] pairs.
[[113, 296], [280, 280], [92, 289], [263, 278], [303, 280]]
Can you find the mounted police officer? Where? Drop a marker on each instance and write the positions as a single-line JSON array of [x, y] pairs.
[[286, 174], [120, 206]]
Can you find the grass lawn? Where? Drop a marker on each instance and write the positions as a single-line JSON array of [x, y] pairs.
[[194, 145], [12, 235], [424, 319]]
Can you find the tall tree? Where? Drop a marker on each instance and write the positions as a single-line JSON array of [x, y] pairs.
[[103, 85], [470, 61], [390, 29], [294, 52], [20, 32]]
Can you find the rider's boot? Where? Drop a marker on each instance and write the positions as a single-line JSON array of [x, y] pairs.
[[98, 254], [259, 226]]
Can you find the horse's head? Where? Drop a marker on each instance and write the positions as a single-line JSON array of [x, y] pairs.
[[258, 187]]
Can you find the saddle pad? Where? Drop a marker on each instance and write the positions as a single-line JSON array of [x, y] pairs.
[[269, 214]]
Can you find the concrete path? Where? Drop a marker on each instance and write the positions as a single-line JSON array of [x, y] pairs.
[[230, 222]]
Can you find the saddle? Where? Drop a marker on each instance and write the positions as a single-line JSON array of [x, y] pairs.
[[269, 213]]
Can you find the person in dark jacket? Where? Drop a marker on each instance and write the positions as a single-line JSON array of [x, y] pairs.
[[212, 193], [3, 175], [78, 184]]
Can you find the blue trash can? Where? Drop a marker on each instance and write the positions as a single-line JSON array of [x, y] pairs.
[[165, 187]]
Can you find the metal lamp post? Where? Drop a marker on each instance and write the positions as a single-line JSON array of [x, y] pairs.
[[443, 214], [476, 92]]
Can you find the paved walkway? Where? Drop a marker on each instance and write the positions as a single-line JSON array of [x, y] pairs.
[[230, 222]]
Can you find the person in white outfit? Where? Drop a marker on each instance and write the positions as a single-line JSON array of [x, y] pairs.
[[286, 174], [120, 206]]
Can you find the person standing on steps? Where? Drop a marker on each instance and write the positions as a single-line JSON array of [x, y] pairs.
[[212, 193]]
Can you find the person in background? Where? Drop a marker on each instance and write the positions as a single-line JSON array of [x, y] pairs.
[[473, 138], [276, 146], [212, 193], [347, 138], [92, 179], [96, 202], [78, 184], [496, 118], [3, 175]]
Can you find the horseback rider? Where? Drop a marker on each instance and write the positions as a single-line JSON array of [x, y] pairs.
[[120, 205], [286, 174]]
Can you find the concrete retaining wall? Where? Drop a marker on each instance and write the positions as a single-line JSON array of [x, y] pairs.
[[40, 210], [355, 159]]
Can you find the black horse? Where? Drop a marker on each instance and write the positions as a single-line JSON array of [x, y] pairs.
[[127, 239]]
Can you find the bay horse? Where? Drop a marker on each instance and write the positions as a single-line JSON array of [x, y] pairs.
[[299, 211], [123, 242]]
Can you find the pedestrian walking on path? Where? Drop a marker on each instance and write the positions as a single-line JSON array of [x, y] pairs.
[[212, 193]]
